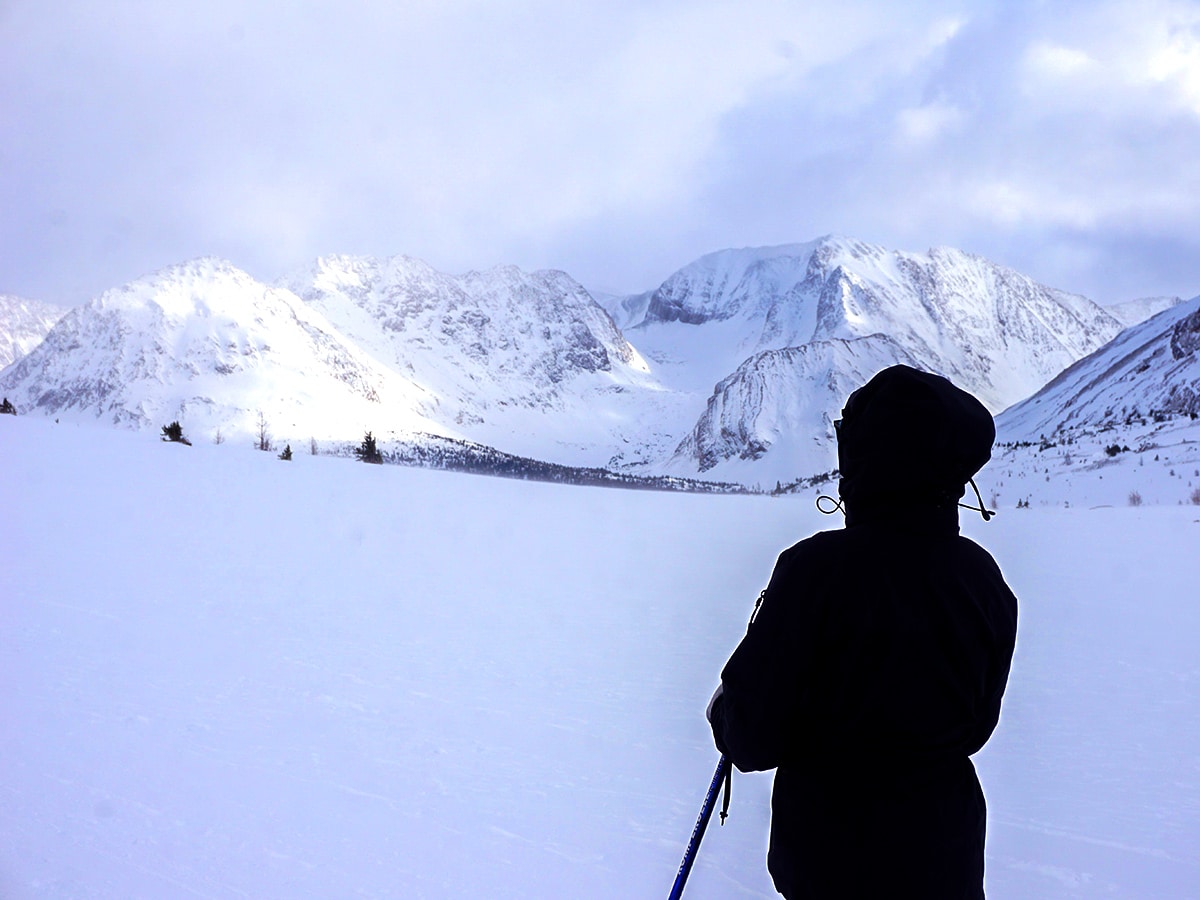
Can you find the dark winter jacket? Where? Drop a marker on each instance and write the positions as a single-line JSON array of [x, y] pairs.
[[874, 669]]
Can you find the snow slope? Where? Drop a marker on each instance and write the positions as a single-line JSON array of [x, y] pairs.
[[23, 325], [231, 676], [524, 361]]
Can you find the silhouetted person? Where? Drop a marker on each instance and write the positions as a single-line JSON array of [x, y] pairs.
[[877, 661]]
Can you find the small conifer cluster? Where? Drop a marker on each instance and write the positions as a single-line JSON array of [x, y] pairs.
[[174, 433]]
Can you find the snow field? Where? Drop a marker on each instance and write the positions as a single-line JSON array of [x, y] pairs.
[[230, 676]]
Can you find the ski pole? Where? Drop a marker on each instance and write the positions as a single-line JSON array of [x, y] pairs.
[[689, 857]]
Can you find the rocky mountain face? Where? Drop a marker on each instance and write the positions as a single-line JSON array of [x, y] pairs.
[[477, 341], [989, 329], [1148, 376], [23, 325], [206, 344]]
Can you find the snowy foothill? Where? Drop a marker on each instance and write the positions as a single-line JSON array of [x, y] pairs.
[[228, 676]]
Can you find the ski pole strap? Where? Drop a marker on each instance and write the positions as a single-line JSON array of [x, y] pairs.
[[757, 603], [728, 789]]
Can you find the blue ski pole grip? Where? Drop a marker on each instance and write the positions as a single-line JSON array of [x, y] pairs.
[[710, 799]]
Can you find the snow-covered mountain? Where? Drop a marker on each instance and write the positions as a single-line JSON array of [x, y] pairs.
[[991, 330], [527, 361], [531, 364], [23, 325], [205, 343], [524, 361], [1150, 371]]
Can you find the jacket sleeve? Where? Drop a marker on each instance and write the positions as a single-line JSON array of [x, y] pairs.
[[765, 681], [1002, 625]]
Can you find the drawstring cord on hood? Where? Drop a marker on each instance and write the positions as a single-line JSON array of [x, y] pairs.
[[836, 507], [832, 504], [981, 509]]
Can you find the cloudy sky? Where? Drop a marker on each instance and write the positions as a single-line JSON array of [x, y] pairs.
[[615, 140]]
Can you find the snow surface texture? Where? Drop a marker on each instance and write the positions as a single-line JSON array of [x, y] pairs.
[[230, 676], [531, 364], [23, 325]]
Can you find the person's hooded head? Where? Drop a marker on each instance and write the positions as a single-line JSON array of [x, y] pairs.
[[908, 439]]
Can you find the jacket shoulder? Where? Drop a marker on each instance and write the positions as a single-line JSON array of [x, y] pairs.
[[819, 545]]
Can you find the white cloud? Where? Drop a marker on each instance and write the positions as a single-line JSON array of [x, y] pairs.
[[1014, 205], [1119, 57], [921, 125], [1057, 61], [1176, 62], [610, 138]]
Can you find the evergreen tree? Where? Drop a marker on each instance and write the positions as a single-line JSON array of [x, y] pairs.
[[367, 451], [287, 452], [174, 433], [7, 408]]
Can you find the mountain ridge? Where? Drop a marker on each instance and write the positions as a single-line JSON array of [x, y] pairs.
[[733, 368]]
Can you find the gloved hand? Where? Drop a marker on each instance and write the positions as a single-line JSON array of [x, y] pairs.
[[708, 711]]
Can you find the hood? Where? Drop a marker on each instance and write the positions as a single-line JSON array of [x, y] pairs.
[[909, 437]]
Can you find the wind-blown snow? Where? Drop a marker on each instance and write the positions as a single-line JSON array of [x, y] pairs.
[[231, 676]]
